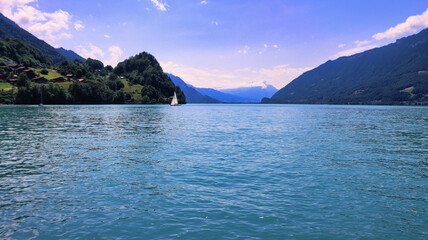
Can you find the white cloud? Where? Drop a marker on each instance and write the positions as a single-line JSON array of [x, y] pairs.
[[203, 2], [107, 36], [411, 25], [360, 46], [244, 50], [95, 52], [266, 47], [78, 25], [362, 43], [277, 76], [91, 51], [214, 23], [7, 6], [50, 27], [115, 54], [342, 45], [353, 51], [281, 75], [270, 46], [161, 6]]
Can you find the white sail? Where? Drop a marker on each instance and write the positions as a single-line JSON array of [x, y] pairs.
[[174, 101]]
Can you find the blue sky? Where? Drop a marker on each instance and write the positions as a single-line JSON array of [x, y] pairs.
[[221, 43]]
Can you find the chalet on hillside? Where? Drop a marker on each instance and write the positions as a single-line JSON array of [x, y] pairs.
[[3, 74], [15, 70], [30, 73], [40, 80], [20, 69], [11, 64], [69, 76], [58, 79], [80, 80]]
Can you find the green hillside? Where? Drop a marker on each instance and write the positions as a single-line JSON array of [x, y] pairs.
[[143, 69], [78, 82], [23, 53], [393, 74], [30, 68], [8, 29]]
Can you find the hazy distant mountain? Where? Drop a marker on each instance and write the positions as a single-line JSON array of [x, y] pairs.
[[70, 55], [208, 95], [256, 94], [192, 95], [9, 29], [223, 97], [393, 74]]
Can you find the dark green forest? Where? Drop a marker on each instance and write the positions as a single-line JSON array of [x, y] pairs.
[[8, 29], [144, 69], [139, 79], [393, 74], [23, 53]]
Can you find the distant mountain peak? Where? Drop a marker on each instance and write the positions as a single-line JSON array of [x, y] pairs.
[[253, 94], [191, 93], [69, 54]]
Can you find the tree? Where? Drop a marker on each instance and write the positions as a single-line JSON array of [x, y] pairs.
[[144, 69], [23, 53], [94, 64], [22, 80], [109, 68], [150, 92]]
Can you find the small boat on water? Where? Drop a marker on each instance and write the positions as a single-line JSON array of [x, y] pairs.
[[174, 101], [41, 99]]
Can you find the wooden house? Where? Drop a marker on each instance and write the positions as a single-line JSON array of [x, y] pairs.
[[30, 73], [58, 79], [40, 80], [3, 74]]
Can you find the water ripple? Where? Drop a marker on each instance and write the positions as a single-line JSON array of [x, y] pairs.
[[213, 172]]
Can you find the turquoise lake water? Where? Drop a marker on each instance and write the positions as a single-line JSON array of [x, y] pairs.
[[213, 172]]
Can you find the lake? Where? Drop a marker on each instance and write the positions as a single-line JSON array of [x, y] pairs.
[[213, 172]]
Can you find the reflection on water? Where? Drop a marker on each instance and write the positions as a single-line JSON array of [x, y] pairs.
[[213, 171]]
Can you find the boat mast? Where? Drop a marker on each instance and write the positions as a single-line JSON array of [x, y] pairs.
[[41, 97]]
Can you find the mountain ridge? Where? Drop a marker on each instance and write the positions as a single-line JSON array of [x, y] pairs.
[[255, 94], [9, 29], [392, 74], [192, 95], [70, 54], [223, 97]]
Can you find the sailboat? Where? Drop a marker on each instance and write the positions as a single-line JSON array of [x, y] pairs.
[[174, 101], [41, 99]]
